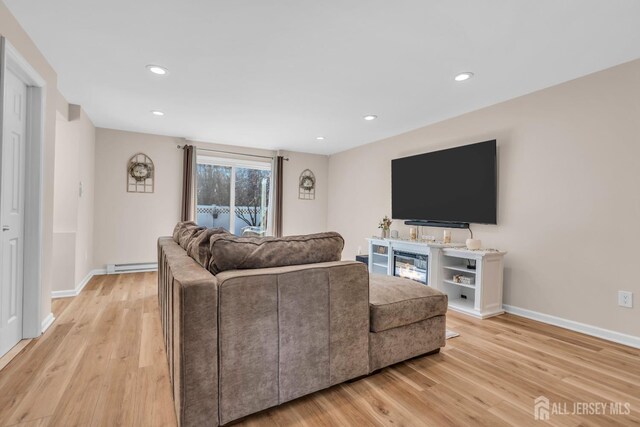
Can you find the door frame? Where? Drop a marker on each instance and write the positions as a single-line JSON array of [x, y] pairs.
[[10, 59]]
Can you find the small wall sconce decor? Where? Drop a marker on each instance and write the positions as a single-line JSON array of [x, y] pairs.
[[140, 174], [307, 185]]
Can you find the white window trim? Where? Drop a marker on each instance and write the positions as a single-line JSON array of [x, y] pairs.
[[239, 163]]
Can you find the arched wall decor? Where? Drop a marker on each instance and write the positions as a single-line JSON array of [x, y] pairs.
[[307, 185], [140, 174]]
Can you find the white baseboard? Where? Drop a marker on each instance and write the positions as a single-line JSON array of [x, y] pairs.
[[594, 331], [97, 272], [47, 322], [64, 294], [74, 292]]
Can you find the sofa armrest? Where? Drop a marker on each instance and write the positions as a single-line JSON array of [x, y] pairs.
[[188, 297], [285, 332]]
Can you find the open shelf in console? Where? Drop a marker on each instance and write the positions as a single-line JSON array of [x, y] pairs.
[[476, 291], [379, 259], [461, 297], [462, 269], [463, 305], [457, 268], [464, 285]]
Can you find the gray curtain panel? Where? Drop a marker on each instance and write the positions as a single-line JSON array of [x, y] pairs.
[[188, 211]]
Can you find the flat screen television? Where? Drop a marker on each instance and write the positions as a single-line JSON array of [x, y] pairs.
[[454, 185]]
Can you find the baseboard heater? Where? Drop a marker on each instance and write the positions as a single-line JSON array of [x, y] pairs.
[[131, 268]]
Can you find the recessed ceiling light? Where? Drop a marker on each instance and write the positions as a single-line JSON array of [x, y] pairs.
[[156, 69], [320, 138], [370, 117], [463, 76], [157, 113]]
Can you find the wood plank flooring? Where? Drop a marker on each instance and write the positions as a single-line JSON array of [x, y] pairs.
[[102, 364], [16, 350]]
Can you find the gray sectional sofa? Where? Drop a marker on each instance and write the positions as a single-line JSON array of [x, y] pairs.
[[250, 323]]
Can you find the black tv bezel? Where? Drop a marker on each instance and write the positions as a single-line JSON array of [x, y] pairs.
[[453, 223]]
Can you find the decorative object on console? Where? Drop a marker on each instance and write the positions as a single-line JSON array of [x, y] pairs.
[[474, 244], [307, 185], [394, 234], [140, 174], [446, 236], [413, 233], [385, 226], [465, 280]]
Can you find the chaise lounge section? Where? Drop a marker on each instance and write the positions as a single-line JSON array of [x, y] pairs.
[[254, 324], [407, 320]]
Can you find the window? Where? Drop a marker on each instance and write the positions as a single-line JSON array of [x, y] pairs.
[[234, 194]]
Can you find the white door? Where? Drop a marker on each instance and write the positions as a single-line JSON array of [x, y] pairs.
[[12, 191]]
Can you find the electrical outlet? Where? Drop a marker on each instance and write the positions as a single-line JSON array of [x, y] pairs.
[[625, 299]]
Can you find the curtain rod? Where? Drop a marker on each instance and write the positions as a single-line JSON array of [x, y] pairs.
[[232, 152]]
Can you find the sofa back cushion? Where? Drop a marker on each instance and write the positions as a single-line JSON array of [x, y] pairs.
[[178, 229], [229, 252], [198, 247], [187, 233]]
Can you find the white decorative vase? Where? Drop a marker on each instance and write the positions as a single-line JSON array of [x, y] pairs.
[[474, 244]]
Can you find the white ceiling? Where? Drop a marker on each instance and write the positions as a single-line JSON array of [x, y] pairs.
[[278, 73]]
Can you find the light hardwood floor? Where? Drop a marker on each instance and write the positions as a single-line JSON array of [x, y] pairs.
[[102, 364]]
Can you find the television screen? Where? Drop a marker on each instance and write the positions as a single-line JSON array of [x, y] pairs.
[[454, 185]]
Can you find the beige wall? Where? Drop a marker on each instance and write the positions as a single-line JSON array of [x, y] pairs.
[[568, 193], [304, 216], [10, 29], [127, 225], [73, 213], [66, 176]]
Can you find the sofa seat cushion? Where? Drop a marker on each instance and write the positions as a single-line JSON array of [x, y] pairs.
[[229, 252], [396, 302]]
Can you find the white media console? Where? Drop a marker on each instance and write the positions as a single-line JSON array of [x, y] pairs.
[[477, 292]]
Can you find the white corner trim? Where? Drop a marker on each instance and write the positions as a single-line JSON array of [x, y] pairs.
[[594, 331], [47, 322], [79, 287]]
